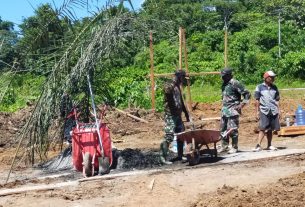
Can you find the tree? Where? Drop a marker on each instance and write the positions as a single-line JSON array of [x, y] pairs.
[[43, 35], [8, 40]]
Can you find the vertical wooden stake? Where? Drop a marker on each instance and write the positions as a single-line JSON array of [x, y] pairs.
[[153, 107], [189, 103], [226, 47], [180, 47]]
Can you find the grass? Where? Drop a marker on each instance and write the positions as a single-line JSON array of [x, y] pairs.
[[208, 93]]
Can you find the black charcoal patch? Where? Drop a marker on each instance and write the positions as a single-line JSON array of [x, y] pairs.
[[127, 159], [137, 159], [61, 162]]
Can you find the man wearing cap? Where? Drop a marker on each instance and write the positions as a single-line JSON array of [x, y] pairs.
[[173, 108], [267, 109], [232, 92]]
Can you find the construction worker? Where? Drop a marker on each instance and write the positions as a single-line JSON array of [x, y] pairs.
[[267, 110], [232, 92], [173, 108]]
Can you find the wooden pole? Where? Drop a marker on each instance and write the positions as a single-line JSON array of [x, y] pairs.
[[189, 103], [188, 74], [180, 47], [132, 116], [226, 46], [153, 107]]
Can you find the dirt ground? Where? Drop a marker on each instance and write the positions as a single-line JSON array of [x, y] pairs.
[[277, 181]]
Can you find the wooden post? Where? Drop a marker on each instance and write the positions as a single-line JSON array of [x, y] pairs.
[[189, 74], [226, 47], [189, 103], [152, 72], [180, 47]]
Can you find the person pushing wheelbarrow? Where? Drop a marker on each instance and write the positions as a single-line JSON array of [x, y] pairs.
[[173, 108]]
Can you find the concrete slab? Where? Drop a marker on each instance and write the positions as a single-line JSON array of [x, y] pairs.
[[249, 155]]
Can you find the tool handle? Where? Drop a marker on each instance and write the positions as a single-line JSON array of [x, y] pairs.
[[96, 120]]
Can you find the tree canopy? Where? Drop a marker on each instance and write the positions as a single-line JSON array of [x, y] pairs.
[[254, 41]]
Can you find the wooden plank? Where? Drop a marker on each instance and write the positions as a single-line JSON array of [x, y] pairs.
[[130, 115], [292, 130], [211, 119], [43, 187]]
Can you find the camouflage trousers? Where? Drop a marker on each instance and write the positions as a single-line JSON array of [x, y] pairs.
[[173, 124], [227, 123]]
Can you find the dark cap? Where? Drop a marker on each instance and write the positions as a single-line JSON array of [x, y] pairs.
[[226, 71], [180, 73]]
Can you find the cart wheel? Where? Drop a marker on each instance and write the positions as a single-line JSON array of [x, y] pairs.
[[87, 164], [215, 152]]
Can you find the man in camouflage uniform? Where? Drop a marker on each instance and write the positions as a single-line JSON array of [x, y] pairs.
[[173, 108], [232, 91]]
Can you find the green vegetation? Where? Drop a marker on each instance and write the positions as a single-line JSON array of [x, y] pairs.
[[24, 89], [121, 74]]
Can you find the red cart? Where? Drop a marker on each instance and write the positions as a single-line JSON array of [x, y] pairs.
[[91, 143], [195, 139], [86, 150]]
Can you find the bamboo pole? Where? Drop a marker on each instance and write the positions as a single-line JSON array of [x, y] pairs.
[[189, 102], [188, 74], [180, 47], [152, 72], [226, 46], [130, 115]]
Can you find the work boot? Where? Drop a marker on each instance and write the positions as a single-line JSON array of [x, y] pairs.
[[182, 159], [233, 150], [164, 161], [223, 148], [164, 153]]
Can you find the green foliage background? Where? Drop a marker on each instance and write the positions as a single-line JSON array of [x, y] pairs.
[[121, 77]]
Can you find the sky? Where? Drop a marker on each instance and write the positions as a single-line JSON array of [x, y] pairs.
[[16, 10]]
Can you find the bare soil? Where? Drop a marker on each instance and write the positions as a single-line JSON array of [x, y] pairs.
[[278, 181]]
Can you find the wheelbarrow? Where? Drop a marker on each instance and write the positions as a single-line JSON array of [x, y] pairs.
[[86, 150], [195, 139]]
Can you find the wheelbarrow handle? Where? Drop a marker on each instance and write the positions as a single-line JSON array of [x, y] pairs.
[[227, 132]]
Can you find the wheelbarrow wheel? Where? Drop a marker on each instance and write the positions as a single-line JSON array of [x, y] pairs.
[[87, 164], [215, 152]]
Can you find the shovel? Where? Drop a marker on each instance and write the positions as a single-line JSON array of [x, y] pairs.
[[104, 163]]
